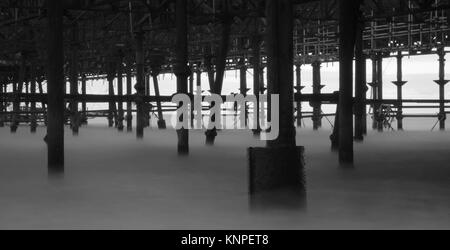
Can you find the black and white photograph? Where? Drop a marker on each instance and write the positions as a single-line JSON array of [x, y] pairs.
[[251, 116]]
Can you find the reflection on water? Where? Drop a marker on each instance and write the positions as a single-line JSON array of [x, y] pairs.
[[400, 180]]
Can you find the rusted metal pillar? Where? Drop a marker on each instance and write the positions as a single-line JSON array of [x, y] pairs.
[[399, 83], [33, 124], [140, 85], [73, 78], [442, 82], [360, 84], [129, 77], [277, 169], [55, 86], [120, 114], [161, 121], [380, 124], [181, 67], [348, 17], [317, 88], [298, 88]]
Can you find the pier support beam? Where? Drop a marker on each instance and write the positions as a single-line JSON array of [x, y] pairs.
[[17, 89], [374, 86], [348, 18], [73, 78], [399, 83], [317, 88], [298, 88], [33, 124], [161, 122], [442, 82], [83, 103], [120, 114], [360, 85], [181, 67], [256, 61], [243, 84], [2, 103], [112, 114], [129, 93], [380, 124], [276, 171], [55, 85], [140, 85]]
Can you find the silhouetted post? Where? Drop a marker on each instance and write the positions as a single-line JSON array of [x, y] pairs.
[[181, 67], [317, 88], [161, 121], [17, 89], [55, 85], [277, 169], [33, 124], [147, 93], [2, 106], [374, 86], [360, 84], [120, 92], [140, 85], [129, 93], [74, 119], [43, 103], [348, 17], [298, 89], [442, 82], [399, 83], [243, 85], [112, 105], [256, 61], [83, 103], [380, 90]]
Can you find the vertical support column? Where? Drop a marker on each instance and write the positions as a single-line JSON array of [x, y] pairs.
[[43, 103], [55, 85], [112, 104], [348, 17], [317, 88], [256, 57], [147, 106], [243, 85], [399, 83], [360, 84], [161, 121], [129, 93], [380, 124], [83, 103], [120, 92], [298, 89], [277, 169], [181, 67], [3, 82], [442, 82], [140, 85], [374, 86], [17, 88], [33, 124], [74, 116]]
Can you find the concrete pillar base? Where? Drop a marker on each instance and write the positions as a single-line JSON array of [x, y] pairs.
[[276, 176], [162, 124]]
